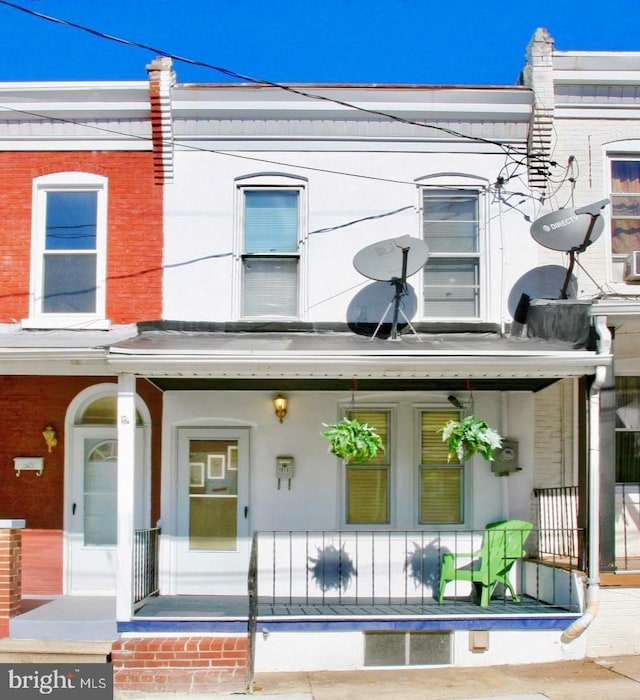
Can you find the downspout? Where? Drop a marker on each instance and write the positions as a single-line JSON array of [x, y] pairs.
[[577, 627]]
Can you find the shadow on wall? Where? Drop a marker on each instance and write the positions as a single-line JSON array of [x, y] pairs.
[[373, 304], [423, 566], [333, 569]]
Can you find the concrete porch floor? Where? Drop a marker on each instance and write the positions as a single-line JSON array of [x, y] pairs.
[[92, 618]]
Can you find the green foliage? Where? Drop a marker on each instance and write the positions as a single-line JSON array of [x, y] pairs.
[[469, 436], [352, 441]]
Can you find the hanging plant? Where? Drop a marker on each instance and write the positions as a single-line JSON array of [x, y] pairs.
[[469, 436], [353, 441]]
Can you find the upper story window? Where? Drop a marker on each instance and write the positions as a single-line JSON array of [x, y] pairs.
[[451, 229], [68, 251], [625, 207], [271, 256]]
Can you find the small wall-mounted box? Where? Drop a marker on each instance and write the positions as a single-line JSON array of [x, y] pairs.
[[285, 467], [506, 460], [28, 464]]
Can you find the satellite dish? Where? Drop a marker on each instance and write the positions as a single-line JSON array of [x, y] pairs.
[[570, 230], [392, 260], [566, 230], [383, 261]]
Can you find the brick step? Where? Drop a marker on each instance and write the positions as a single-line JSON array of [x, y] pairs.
[[50, 651]]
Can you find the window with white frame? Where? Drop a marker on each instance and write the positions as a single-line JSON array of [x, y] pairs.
[[367, 484], [451, 229], [439, 494], [68, 250], [627, 429], [625, 207], [271, 255], [441, 482]]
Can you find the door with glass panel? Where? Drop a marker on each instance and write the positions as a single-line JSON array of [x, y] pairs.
[[92, 510], [212, 519]]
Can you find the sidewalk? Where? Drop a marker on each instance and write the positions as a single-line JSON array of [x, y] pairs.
[[589, 679]]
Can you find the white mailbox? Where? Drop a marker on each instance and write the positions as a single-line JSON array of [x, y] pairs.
[[28, 464]]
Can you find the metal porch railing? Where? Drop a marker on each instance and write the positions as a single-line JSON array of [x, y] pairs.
[[558, 522], [557, 513], [145, 564], [369, 568]]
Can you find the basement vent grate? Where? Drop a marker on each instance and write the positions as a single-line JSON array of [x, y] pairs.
[[407, 648]]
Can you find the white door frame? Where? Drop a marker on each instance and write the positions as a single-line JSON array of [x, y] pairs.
[[74, 460], [172, 547]]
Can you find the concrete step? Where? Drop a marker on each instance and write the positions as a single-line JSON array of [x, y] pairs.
[[48, 651], [70, 618]]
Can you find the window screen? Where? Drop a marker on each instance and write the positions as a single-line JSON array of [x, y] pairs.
[[441, 482], [367, 485], [270, 258], [625, 206], [70, 255], [627, 429], [450, 220]]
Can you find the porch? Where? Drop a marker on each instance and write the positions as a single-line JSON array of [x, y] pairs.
[[365, 580], [328, 580]]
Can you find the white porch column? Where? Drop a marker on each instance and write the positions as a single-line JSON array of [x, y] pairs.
[[126, 494]]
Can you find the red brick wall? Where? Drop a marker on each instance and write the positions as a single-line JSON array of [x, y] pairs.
[[28, 405], [10, 576], [42, 562], [180, 664], [134, 238]]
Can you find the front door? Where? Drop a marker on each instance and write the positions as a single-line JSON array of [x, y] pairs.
[[92, 508], [213, 511]]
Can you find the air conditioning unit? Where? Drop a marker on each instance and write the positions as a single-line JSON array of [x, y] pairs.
[[631, 271]]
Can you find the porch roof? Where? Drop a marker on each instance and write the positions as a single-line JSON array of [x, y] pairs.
[[219, 358], [325, 355]]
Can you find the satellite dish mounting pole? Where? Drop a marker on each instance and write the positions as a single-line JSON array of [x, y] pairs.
[[565, 287], [400, 285], [594, 212]]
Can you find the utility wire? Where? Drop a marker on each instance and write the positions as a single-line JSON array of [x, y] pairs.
[[203, 149], [508, 149]]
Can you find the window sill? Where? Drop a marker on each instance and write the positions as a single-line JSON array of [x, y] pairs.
[[80, 323]]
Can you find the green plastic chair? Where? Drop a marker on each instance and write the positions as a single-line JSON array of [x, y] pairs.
[[502, 546]]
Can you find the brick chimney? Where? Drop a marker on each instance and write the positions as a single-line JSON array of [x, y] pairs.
[[538, 75], [161, 79]]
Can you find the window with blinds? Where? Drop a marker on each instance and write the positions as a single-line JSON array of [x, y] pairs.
[[441, 482], [367, 487], [628, 429], [270, 260], [451, 229]]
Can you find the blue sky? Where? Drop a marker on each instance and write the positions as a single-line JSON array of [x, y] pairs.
[[480, 42]]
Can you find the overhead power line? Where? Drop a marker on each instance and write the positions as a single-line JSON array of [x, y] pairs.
[[509, 150]]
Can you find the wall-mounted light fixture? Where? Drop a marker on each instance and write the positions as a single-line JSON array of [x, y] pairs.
[[50, 437], [280, 403]]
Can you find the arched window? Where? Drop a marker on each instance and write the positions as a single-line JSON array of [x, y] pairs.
[[101, 411]]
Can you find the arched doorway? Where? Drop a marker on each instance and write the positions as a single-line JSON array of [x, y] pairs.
[[91, 490]]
